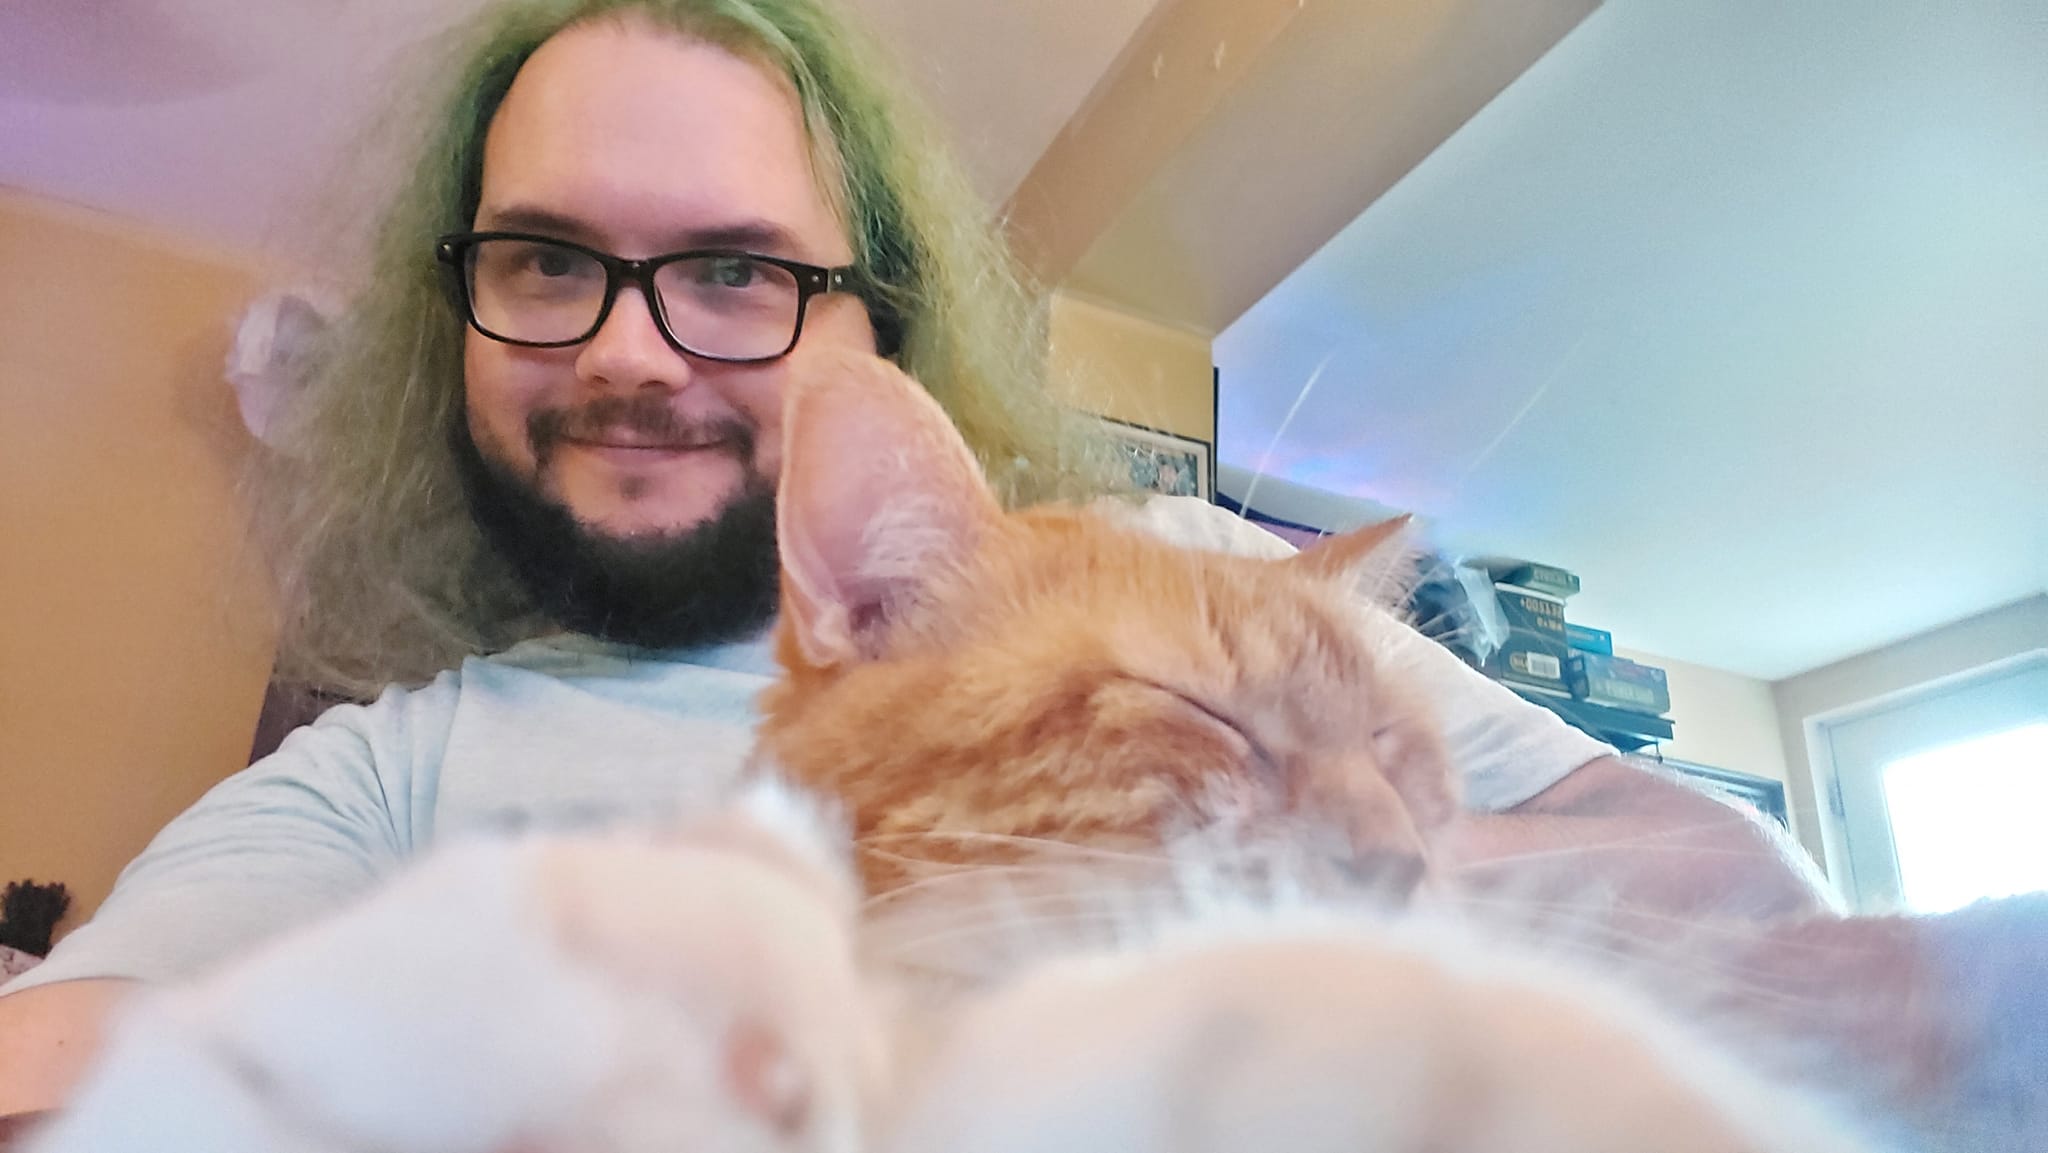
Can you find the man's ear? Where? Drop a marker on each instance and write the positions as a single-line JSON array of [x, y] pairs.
[[1374, 561], [878, 494]]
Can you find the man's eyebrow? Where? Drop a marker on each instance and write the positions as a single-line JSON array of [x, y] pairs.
[[751, 235], [522, 218]]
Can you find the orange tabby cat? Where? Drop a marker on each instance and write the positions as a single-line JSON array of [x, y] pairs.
[[974, 686], [960, 677]]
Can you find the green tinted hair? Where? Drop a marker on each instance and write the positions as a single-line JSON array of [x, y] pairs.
[[382, 575]]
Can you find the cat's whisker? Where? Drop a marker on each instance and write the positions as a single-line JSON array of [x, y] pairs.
[[1536, 395], [1658, 839], [1015, 901], [971, 930], [1631, 934], [1030, 885], [1041, 844], [1606, 917], [979, 876], [1675, 978], [1576, 851], [1006, 878], [1704, 960], [1611, 919], [1266, 457]]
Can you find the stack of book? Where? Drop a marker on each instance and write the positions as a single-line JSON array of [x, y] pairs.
[[1545, 653], [1619, 683], [1531, 597], [1599, 677]]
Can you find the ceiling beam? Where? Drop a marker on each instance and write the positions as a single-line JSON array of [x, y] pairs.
[[1182, 62], [1233, 138]]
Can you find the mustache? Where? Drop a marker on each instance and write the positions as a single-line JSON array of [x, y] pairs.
[[643, 418]]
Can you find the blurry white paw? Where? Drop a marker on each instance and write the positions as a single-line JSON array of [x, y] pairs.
[[694, 990]]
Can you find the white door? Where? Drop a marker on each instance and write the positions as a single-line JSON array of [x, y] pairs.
[[1943, 798]]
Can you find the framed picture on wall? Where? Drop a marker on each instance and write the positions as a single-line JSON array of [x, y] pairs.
[[1165, 463]]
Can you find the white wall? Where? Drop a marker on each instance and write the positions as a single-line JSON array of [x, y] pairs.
[[1858, 682]]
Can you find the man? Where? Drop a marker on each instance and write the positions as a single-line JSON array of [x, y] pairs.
[[534, 472]]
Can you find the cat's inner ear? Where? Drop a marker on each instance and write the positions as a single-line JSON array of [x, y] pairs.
[[1375, 561], [879, 494]]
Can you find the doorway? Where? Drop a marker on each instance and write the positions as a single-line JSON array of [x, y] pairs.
[[1940, 798]]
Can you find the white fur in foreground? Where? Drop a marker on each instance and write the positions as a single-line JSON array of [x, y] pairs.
[[605, 994], [698, 992], [1320, 1034]]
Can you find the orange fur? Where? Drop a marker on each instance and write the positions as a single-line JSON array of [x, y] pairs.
[[954, 669]]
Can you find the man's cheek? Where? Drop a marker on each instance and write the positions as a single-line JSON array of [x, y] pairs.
[[506, 444], [503, 392], [768, 453]]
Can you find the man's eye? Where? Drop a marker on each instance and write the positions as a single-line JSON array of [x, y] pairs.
[[536, 262], [552, 262], [729, 272]]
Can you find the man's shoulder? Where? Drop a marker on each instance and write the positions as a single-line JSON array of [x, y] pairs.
[[559, 675], [1191, 522], [405, 703]]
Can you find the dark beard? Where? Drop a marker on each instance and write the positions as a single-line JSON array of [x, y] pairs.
[[707, 584]]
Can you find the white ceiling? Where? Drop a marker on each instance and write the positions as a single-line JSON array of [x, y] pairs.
[[1738, 308]]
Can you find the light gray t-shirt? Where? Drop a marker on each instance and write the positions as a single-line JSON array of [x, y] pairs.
[[570, 731], [554, 733]]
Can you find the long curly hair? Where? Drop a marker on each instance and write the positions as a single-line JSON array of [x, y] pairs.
[[381, 573]]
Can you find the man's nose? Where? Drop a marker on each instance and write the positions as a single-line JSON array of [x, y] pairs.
[[628, 352]]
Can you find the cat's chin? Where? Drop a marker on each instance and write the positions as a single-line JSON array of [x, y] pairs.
[[948, 927]]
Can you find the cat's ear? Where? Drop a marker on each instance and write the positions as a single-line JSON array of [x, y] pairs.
[[1375, 561], [878, 494]]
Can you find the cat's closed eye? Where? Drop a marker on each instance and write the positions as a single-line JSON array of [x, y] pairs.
[[1244, 742]]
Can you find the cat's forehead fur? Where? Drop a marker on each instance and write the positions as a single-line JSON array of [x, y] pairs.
[[1227, 630]]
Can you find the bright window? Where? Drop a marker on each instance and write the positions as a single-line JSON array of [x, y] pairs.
[[1970, 820]]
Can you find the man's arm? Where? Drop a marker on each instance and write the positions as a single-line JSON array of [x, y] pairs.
[[1652, 842], [280, 843], [47, 1036], [1939, 1020]]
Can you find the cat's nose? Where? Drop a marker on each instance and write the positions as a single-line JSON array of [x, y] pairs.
[[765, 1079], [1390, 875]]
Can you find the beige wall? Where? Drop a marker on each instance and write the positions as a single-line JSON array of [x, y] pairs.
[[131, 666], [1720, 718], [1860, 681], [1110, 362]]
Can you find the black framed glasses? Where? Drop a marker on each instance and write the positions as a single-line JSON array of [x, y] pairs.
[[718, 304]]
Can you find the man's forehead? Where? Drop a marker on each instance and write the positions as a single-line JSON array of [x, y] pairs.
[[629, 136]]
